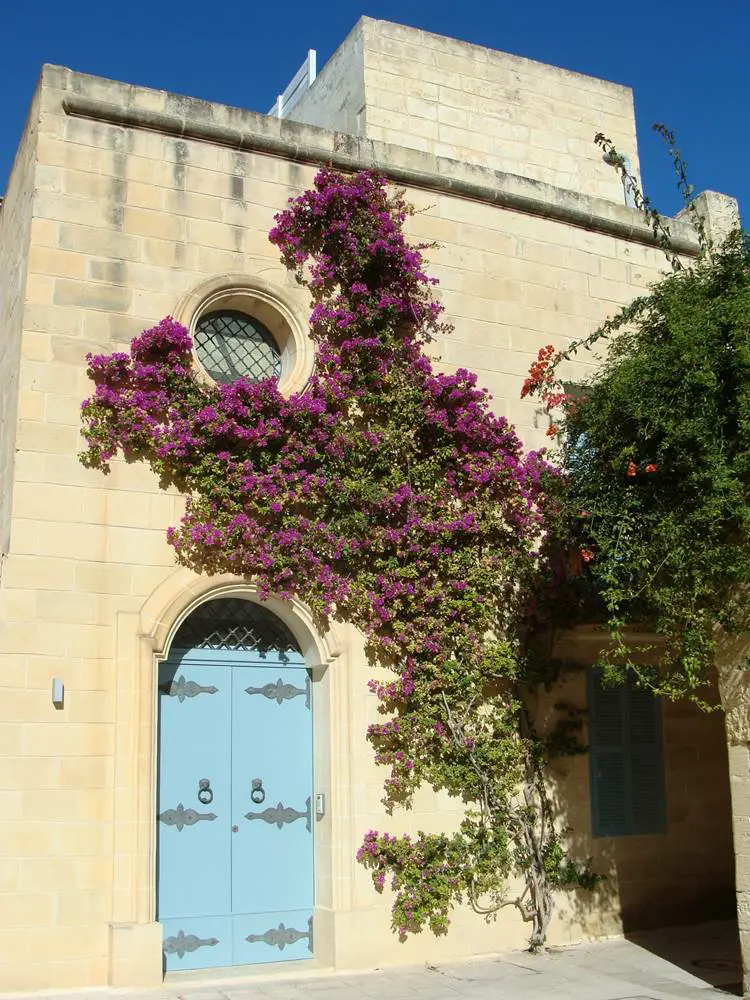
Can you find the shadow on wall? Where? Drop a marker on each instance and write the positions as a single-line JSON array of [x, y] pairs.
[[680, 877]]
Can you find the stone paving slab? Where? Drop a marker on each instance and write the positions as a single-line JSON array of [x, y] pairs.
[[610, 970]]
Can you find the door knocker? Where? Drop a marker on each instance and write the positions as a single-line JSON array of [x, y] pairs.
[[205, 795], [257, 794]]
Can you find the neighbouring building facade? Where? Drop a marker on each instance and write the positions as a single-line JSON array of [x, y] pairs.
[[184, 777]]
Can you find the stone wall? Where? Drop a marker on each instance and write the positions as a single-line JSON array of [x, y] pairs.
[[142, 198], [336, 100], [449, 98], [15, 228], [735, 695]]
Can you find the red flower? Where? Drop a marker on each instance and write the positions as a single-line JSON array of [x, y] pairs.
[[551, 431], [539, 371], [632, 469], [651, 467], [587, 555]]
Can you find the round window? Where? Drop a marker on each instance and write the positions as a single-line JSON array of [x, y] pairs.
[[232, 345]]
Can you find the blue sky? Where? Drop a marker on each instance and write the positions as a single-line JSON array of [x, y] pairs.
[[686, 61]]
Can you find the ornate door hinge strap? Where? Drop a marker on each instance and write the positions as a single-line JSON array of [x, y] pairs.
[[181, 817], [279, 937], [281, 814], [280, 691], [182, 689], [184, 943]]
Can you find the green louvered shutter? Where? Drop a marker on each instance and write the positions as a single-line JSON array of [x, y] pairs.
[[607, 753], [627, 778], [647, 797]]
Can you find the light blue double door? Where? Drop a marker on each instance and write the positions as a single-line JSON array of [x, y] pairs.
[[235, 813]]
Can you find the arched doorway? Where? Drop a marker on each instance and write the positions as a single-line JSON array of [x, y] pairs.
[[235, 858]]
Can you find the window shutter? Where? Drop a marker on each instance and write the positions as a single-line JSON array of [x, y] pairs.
[[608, 758], [627, 775], [646, 768]]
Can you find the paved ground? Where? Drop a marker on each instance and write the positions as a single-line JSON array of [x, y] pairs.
[[700, 963]]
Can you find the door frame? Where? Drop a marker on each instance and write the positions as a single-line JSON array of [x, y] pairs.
[[142, 641]]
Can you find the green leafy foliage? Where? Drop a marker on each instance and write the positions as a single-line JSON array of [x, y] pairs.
[[656, 452]]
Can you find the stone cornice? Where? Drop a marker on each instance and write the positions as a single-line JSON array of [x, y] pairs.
[[301, 143]]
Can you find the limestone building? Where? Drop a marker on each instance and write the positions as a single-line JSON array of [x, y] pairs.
[[119, 857]]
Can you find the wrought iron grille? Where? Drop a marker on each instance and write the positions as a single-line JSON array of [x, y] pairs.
[[231, 345], [231, 623]]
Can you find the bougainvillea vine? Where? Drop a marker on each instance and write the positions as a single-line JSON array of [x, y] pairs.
[[386, 495]]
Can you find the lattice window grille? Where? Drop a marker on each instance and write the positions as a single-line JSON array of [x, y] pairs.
[[231, 345], [231, 623]]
